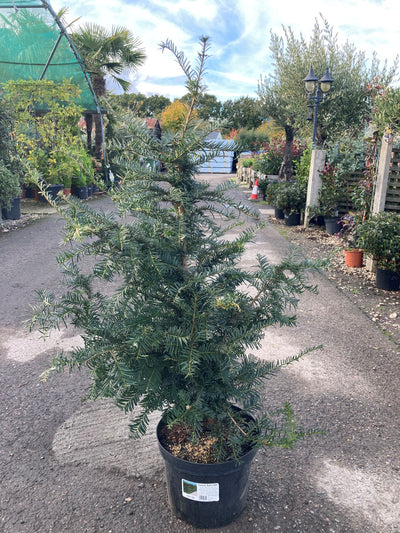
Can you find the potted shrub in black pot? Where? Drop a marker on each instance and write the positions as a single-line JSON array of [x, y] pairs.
[[271, 197], [291, 198], [10, 193], [329, 197], [168, 315], [10, 168], [379, 236]]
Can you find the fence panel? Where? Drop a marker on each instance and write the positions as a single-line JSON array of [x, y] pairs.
[[393, 191]]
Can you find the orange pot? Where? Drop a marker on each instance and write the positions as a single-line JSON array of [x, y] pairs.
[[353, 258]]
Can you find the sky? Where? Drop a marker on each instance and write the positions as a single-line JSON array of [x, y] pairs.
[[239, 31]]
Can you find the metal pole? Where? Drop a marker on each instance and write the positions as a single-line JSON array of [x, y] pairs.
[[317, 100]]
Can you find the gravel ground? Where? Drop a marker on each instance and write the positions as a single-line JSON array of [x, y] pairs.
[[358, 284]]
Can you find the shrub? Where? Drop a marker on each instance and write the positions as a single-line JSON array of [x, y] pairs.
[[379, 236]]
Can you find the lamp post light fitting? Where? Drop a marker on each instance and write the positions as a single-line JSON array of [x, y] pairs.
[[317, 90]]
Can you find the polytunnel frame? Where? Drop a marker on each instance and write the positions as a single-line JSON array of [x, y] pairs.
[[43, 4]]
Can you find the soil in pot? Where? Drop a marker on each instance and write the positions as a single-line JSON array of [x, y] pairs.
[[353, 258], [206, 495]]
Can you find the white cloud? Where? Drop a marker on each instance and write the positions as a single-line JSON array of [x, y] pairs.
[[240, 34], [204, 10]]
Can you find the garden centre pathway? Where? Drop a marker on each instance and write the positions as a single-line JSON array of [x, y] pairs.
[[67, 465]]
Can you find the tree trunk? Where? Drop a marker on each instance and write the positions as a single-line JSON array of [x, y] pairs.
[[286, 170], [99, 86], [89, 127]]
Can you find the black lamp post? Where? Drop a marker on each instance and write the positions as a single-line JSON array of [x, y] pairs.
[[320, 88]]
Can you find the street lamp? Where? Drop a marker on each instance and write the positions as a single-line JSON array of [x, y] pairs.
[[320, 88]]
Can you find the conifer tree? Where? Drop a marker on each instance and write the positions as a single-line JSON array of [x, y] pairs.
[[167, 313]]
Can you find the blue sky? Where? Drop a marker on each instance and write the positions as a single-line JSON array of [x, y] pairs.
[[239, 32]]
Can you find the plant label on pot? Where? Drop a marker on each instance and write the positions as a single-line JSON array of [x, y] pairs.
[[200, 492]]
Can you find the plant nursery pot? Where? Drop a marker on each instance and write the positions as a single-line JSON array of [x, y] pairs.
[[52, 190], [279, 214], [293, 219], [332, 225], [206, 495], [387, 280], [80, 192], [353, 258], [14, 212]]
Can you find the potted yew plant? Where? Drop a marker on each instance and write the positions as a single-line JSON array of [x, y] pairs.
[[379, 236], [168, 315]]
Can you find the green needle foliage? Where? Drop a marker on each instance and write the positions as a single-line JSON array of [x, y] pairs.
[[167, 314]]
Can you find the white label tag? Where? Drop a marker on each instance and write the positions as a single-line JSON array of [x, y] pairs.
[[200, 492]]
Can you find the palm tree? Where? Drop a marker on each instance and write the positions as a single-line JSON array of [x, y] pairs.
[[106, 53]]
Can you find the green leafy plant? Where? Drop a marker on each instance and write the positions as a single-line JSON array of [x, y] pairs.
[[302, 166], [268, 163], [9, 185], [379, 236], [291, 197], [262, 186], [330, 192], [271, 193], [10, 164], [167, 313], [46, 124], [247, 163]]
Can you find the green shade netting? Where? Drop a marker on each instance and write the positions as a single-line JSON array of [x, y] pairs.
[[32, 46]]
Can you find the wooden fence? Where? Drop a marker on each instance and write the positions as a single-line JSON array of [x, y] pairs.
[[393, 190]]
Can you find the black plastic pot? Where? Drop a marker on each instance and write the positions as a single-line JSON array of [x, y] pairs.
[[387, 280], [293, 219], [14, 212], [53, 190], [332, 225], [206, 495], [80, 192], [279, 214]]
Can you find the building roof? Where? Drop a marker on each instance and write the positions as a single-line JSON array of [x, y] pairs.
[[151, 123]]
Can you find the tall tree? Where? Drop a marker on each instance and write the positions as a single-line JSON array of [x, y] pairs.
[[347, 108], [241, 113], [143, 106], [174, 116], [208, 106], [106, 53]]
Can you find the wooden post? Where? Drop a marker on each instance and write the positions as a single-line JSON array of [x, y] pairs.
[[382, 178], [314, 182], [382, 175]]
